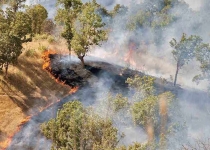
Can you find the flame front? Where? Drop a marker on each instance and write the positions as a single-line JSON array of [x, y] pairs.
[[46, 66], [129, 56], [46, 58], [74, 90]]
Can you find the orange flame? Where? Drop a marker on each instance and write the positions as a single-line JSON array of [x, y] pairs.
[[8, 141], [46, 59], [129, 56], [74, 90], [46, 66]]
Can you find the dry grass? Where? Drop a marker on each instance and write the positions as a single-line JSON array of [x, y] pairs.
[[27, 89]]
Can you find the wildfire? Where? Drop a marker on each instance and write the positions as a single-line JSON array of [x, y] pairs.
[[129, 56], [46, 59], [74, 90], [7, 142], [25, 120], [46, 66]]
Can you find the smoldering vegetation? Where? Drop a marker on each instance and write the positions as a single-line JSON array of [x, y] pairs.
[[103, 79]]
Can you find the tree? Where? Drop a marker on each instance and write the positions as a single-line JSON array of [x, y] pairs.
[[152, 14], [184, 51], [143, 85], [48, 26], [38, 15], [15, 4], [89, 31], [13, 29], [66, 15], [203, 56], [153, 111], [21, 26], [76, 127], [10, 49], [119, 10]]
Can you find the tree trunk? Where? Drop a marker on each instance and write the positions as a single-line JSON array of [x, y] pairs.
[[82, 60], [69, 47], [6, 69], [177, 71]]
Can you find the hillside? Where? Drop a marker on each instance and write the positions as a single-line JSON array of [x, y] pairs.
[[27, 89]]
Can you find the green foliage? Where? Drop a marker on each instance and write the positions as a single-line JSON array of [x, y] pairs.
[[145, 110], [66, 15], [144, 84], [76, 127], [119, 102], [184, 50], [152, 112], [14, 4], [16, 24], [38, 37], [203, 56], [89, 31], [48, 26], [119, 10], [30, 53], [153, 14], [42, 48], [51, 39], [21, 26], [38, 15], [10, 49], [14, 28], [134, 146]]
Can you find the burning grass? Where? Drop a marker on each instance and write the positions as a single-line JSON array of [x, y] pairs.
[[27, 91]]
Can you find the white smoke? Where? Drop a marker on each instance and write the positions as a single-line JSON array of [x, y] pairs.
[[155, 60]]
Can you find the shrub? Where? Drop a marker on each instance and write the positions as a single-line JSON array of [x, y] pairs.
[[38, 37], [42, 48], [51, 39], [30, 53]]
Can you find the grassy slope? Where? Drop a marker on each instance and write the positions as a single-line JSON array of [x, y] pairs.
[[27, 89]]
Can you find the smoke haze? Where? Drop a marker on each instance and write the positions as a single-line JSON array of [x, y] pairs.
[[152, 59]]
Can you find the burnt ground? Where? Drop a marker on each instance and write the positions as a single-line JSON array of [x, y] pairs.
[[111, 77]]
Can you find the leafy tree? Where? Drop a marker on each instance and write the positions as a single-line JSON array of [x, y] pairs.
[[153, 111], [38, 15], [66, 15], [14, 4], [48, 26], [119, 102], [144, 111], [119, 10], [76, 127], [13, 29], [144, 85], [89, 31], [134, 146], [184, 51], [21, 26], [153, 14], [203, 56], [10, 49]]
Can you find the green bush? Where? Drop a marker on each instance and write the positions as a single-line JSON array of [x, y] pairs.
[[30, 53], [51, 39], [38, 37], [42, 48]]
